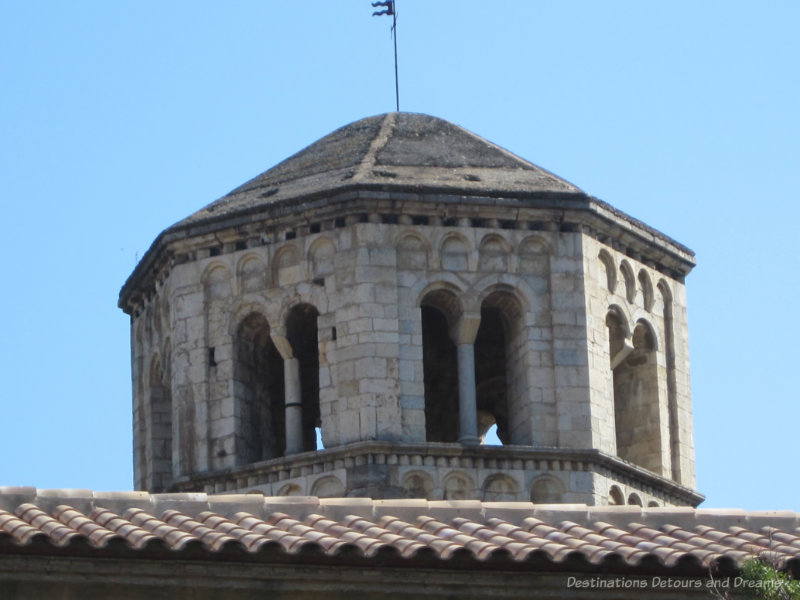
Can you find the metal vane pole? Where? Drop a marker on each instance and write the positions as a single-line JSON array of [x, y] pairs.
[[389, 9]]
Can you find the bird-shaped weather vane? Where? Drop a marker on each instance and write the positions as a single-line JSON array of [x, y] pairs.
[[389, 9]]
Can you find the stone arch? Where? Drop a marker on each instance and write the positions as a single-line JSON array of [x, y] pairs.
[[302, 333], [546, 489], [418, 484], [455, 250], [636, 403], [457, 485], [291, 489], [251, 273], [258, 391], [615, 496], [159, 428], [499, 365], [493, 254], [646, 286], [634, 500], [328, 486], [286, 267], [630, 281], [500, 488], [322, 254], [672, 400], [216, 280], [413, 251], [534, 257], [610, 269], [440, 309], [652, 504]]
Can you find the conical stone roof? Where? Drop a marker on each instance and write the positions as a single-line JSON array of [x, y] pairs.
[[394, 151]]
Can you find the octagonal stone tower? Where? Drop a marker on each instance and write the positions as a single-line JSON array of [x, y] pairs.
[[397, 289]]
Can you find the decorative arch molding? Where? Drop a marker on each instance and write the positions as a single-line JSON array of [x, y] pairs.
[[217, 278], [623, 313], [328, 486], [533, 257], [445, 282], [414, 250], [666, 291], [494, 253], [615, 496], [251, 273], [547, 489], [418, 484], [321, 254], [455, 251], [651, 330], [314, 296], [503, 282], [500, 487], [610, 268], [290, 489], [286, 261], [646, 285], [629, 279], [457, 485], [243, 309], [535, 244]]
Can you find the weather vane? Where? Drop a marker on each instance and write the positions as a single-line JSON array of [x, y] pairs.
[[389, 9]]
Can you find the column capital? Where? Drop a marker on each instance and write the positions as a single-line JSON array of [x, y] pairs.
[[282, 344], [465, 329]]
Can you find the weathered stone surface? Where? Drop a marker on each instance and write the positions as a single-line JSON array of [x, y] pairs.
[[378, 286]]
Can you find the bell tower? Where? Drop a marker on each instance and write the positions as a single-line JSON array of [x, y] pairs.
[[353, 321]]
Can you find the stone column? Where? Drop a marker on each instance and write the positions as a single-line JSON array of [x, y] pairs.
[[293, 406], [463, 333]]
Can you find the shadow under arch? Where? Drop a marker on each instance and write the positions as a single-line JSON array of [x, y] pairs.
[[440, 309], [303, 334], [258, 390]]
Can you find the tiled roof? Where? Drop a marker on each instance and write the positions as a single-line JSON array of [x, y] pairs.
[[457, 534]]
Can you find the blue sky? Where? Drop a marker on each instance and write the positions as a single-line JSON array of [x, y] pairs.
[[119, 118]]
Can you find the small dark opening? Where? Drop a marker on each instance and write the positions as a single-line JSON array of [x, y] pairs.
[[508, 224], [212, 362], [333, 333], [479, 222], [389, 219], [537, 226], [450, 222], [363, 218], [420, 220], [567, 228], [215, 250], [318, 281], [339, 222], [241, 245], [315, 228], [290, 235]]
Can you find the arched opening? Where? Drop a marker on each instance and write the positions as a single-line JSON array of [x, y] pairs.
[[635, 383], [302, 333], [159, 427], [634, 500], [258, 391], [440, 367], [495, 351]]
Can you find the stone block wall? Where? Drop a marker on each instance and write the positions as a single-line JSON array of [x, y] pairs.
[[546, 287]]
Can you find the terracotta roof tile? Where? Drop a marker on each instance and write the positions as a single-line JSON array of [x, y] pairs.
[[419, 531]]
